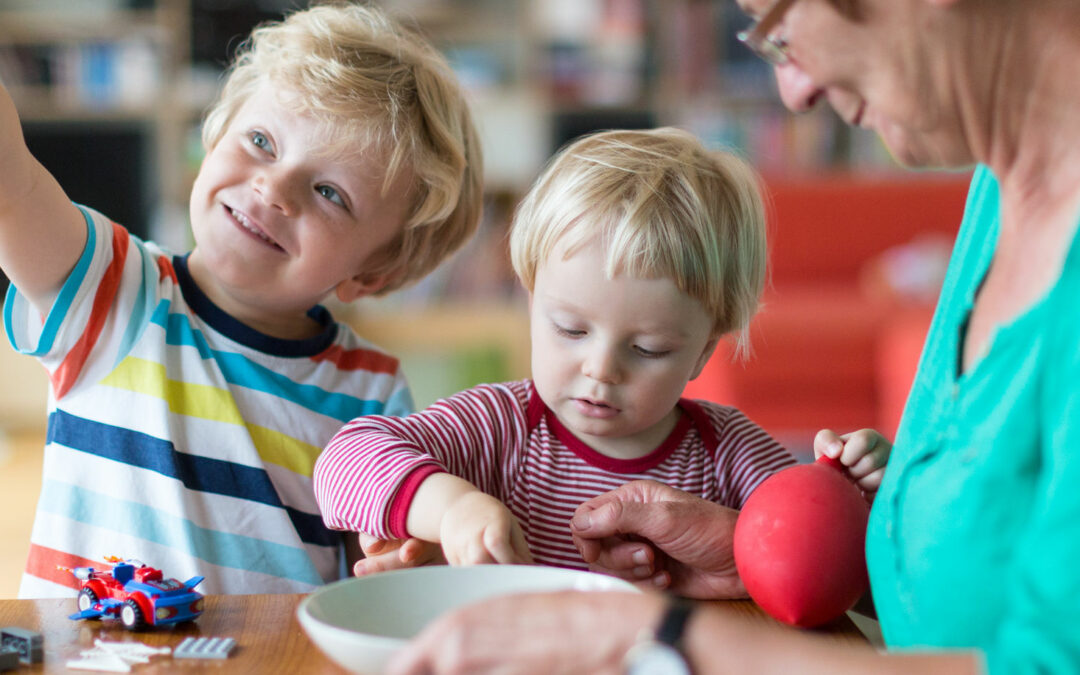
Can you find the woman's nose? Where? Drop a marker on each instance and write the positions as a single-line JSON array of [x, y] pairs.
[[797, 89]]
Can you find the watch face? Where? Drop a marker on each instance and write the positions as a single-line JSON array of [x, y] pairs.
[[655, 658]]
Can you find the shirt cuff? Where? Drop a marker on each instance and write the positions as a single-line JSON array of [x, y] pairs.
[[399, 507]]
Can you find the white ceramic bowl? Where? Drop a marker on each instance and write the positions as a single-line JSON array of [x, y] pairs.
[[360, 622]]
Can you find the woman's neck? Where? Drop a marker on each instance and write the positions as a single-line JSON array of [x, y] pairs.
[[1034, 121]]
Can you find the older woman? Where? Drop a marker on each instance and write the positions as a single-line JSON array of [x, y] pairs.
[[974, 540]]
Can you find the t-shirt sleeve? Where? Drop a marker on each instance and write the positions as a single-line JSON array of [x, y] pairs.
[[111, 287]]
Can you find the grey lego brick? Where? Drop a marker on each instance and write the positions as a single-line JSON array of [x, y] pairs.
[[9, 658], [28, 643], [204, 648]]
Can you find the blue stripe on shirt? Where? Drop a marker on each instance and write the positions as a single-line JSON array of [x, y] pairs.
[[241, 371], [145, 522], [63, 301], [203, 474]]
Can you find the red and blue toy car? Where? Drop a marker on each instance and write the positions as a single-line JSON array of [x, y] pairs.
[[137, 594]]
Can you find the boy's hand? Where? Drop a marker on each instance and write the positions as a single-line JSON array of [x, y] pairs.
[[864, 452], [383, 555], [478, 529]]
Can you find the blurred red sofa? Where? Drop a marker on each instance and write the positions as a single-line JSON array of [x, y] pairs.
[[832, 348]]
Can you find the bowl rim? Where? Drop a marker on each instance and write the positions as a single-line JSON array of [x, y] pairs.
[[617, 584], [321, 632]]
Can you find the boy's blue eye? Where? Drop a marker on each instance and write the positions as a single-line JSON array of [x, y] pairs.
[[330, 193], [259, 140]]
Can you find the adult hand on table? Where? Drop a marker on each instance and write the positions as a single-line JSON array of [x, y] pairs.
[[660, 537]]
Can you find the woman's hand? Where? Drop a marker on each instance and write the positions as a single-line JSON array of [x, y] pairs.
[[660, 537], [383, 555], [864, 452], [478, 529], [569, 632]]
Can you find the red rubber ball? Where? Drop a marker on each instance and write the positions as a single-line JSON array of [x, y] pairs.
[[800, 544]]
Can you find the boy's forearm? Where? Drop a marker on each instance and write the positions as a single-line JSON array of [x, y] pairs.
[[432, 499], [15, 178], [41, 232]]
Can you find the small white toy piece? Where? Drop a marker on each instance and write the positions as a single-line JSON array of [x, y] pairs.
[[115, 657]]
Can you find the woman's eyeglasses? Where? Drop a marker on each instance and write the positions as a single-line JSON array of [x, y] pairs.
[[773, 49]]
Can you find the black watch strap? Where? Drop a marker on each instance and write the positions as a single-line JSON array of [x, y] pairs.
[[673, 623]]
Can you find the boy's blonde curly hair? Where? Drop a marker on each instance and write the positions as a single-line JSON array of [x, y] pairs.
[[381, 88], [663, 207]]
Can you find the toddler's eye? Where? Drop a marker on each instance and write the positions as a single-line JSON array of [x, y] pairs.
[[568, 332], [330, 193], [649, 353]]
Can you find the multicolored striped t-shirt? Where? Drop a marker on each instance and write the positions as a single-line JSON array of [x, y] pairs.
[[506, 442], [181, 437]]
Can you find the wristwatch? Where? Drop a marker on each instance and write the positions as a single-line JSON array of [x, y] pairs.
[[659, 653]]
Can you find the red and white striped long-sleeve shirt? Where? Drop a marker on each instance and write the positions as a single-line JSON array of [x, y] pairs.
[[506, 442]]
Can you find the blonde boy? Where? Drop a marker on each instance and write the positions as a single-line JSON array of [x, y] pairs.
[[640, 250], [190, 395]]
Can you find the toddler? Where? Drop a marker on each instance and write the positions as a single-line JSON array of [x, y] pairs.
[[640, 250], [190, 394]]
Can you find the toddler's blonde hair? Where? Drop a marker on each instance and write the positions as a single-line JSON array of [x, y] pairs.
[[662, 206], [385, 92]]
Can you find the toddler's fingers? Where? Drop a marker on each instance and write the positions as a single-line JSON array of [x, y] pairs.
[[411, 551], [521, 548], [828, 442], [378, 563], [372, 545], [858, 444], [872, 481], [499, 547], [866, 465]]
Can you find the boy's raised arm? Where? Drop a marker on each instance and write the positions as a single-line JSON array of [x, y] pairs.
[[42, 234]]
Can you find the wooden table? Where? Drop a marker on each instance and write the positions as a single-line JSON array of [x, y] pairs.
[[269, 638]]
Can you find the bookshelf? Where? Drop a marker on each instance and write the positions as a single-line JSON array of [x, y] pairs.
[[99, 88]]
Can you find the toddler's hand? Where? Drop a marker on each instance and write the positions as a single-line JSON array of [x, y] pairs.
[[864, 452], [479, 529], [383, 555]]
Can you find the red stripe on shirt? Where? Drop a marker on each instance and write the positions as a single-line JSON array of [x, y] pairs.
[[165, 269], [358, 359], [43, 561], [65, 375]]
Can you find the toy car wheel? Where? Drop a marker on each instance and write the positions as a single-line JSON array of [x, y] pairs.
[[132, 616], [87, 599]]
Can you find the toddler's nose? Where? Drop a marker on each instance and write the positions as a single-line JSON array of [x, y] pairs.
[[601, 365]]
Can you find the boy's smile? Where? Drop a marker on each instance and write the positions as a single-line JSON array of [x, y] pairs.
[[249, 226], [611, 357], [281, 218]]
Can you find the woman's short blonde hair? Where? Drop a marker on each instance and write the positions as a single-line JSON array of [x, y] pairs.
[[663, 207], [384, 91]]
